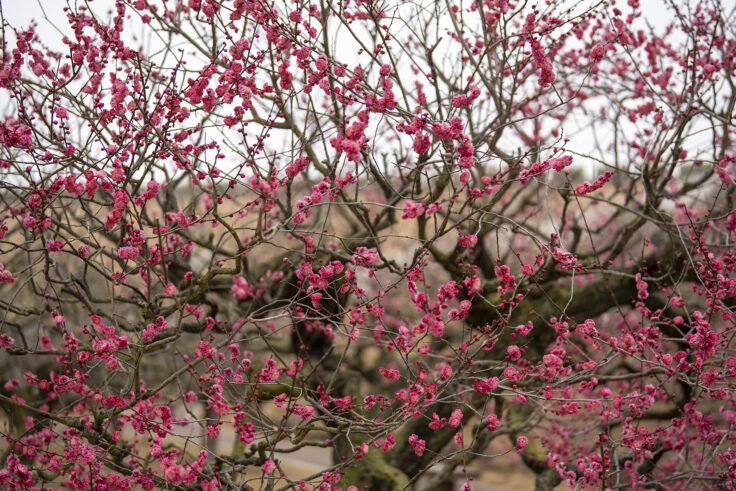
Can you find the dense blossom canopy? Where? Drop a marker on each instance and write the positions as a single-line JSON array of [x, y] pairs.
[[420, 234]]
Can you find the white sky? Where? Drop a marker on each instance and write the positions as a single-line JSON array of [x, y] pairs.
[[52, 24], [48, 13]]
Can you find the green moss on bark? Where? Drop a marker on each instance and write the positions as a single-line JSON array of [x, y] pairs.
[[372, 471]]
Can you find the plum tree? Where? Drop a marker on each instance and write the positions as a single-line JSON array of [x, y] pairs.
[[419, 234]]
